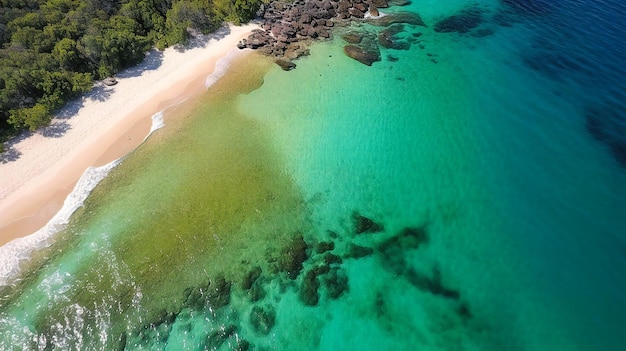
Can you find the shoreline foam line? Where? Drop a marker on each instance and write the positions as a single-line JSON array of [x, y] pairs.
[[102, 126], [18, 250]]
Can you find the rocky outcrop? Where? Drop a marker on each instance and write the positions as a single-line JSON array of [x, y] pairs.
[[288, 28]]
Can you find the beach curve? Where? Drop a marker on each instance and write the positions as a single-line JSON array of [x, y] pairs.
[[103, 126]]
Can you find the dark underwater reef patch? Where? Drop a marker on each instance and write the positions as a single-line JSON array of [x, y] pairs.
[[314, 268], [557, 65], [606, 122], [462, 22]]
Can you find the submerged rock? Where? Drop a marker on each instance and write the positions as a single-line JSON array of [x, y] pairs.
[[399, 2], [357, 251], [336, 282], [218, 337], [397, 17], [251, 277], [464, 311], [408, 238], [262, 319], [257, 292], [363, 224], [219, 292], [387, 38], [432, 284], [462, 22], [292, 257], [308, 292], [325, 246], [365, 56], [330, 258], [196, 297], [285, 65], [393, 249], [606, 122], [379, 3], [353, 38], [242, 345]]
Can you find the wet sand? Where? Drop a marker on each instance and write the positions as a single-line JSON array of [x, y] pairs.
[[102, 126]]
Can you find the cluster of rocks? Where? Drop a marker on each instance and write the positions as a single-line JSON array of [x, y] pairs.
[[287, 24], [365, 46], [288, 28], [315, 270]]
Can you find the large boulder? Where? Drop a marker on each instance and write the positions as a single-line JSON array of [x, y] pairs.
[[285, 65]]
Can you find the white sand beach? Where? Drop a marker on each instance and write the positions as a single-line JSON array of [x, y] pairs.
[[102, 126]]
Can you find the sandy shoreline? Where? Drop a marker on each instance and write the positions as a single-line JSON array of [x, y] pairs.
[[102, 126]]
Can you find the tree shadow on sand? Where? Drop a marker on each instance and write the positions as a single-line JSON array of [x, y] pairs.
[[55, 130], [100, 93], [151, 62], [199, 40], [10, 154]]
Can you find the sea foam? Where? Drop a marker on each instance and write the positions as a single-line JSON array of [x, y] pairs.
[[16, 253], [221, 67]]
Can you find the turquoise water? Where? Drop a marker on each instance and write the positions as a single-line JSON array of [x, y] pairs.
[[501, 215]]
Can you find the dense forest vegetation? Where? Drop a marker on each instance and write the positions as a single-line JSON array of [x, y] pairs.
[[53, 50]]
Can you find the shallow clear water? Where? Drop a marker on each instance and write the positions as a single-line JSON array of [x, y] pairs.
[[491, 160]]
